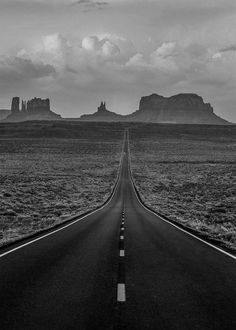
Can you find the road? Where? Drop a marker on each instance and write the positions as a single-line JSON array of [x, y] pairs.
[[121, 267]]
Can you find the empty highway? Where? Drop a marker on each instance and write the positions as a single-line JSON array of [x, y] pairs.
[[120, 267]]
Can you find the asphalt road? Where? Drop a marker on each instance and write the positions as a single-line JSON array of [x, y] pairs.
[[121, 267]]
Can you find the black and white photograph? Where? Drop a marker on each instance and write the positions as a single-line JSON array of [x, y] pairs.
[[117, 165]]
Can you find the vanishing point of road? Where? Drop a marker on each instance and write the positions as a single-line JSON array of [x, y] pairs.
[[120, 267]]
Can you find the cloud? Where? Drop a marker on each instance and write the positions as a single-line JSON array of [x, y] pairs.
[[165, 50], [108, 64], [113, 58], [231, 48], [108, 45], [89, 5], [108, 56], [17, 71], [102, 47], [138, 60], [220, 53], [18, 67], [51, 49], [217, 55], [92, 51], [91, 43], [110, 49], [163, 58]]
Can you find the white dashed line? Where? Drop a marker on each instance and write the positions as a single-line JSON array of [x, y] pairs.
[[122, 253], [121, 237], [122, 229], [121, 292]]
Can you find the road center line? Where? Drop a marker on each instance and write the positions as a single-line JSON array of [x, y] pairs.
[[122, 253], [121, 237], [121, 297]]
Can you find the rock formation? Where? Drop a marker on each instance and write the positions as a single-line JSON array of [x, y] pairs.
[[37, 105], [35, 109], [4, 113], [179, 109], [102, 114], [102, 107], [15, 105]]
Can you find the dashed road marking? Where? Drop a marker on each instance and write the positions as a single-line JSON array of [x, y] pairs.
[[121, 296], [122, 237], [122, 253]]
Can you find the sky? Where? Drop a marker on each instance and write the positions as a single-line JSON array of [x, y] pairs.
[[79, 53]]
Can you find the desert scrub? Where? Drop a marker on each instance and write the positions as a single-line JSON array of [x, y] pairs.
[[190, 181], [43, 182]]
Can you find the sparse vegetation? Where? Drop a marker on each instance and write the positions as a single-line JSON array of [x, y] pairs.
[[184, 172], [45, 181], [189, 177]]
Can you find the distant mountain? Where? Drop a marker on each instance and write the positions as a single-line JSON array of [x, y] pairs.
[[35, 109], [102, 114], [177, 109], [4, 113]]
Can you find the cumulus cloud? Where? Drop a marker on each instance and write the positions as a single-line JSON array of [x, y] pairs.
[[231, 48], [15, 69], [89, 5], [138, 60], [110, 49], [97, 54], [103, 47], [52, 49], [217, 55], [110, 65], [165, 50], [90, 43], [220, 53], [92, 51], [106, 55], [163, 58]]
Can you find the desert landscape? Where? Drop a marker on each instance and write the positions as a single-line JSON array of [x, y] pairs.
[[188, 174], [45, 181], [185, 172], [117, 164]]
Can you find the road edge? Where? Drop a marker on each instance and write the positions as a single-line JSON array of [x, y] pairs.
[[190, 231], [26, 240]]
